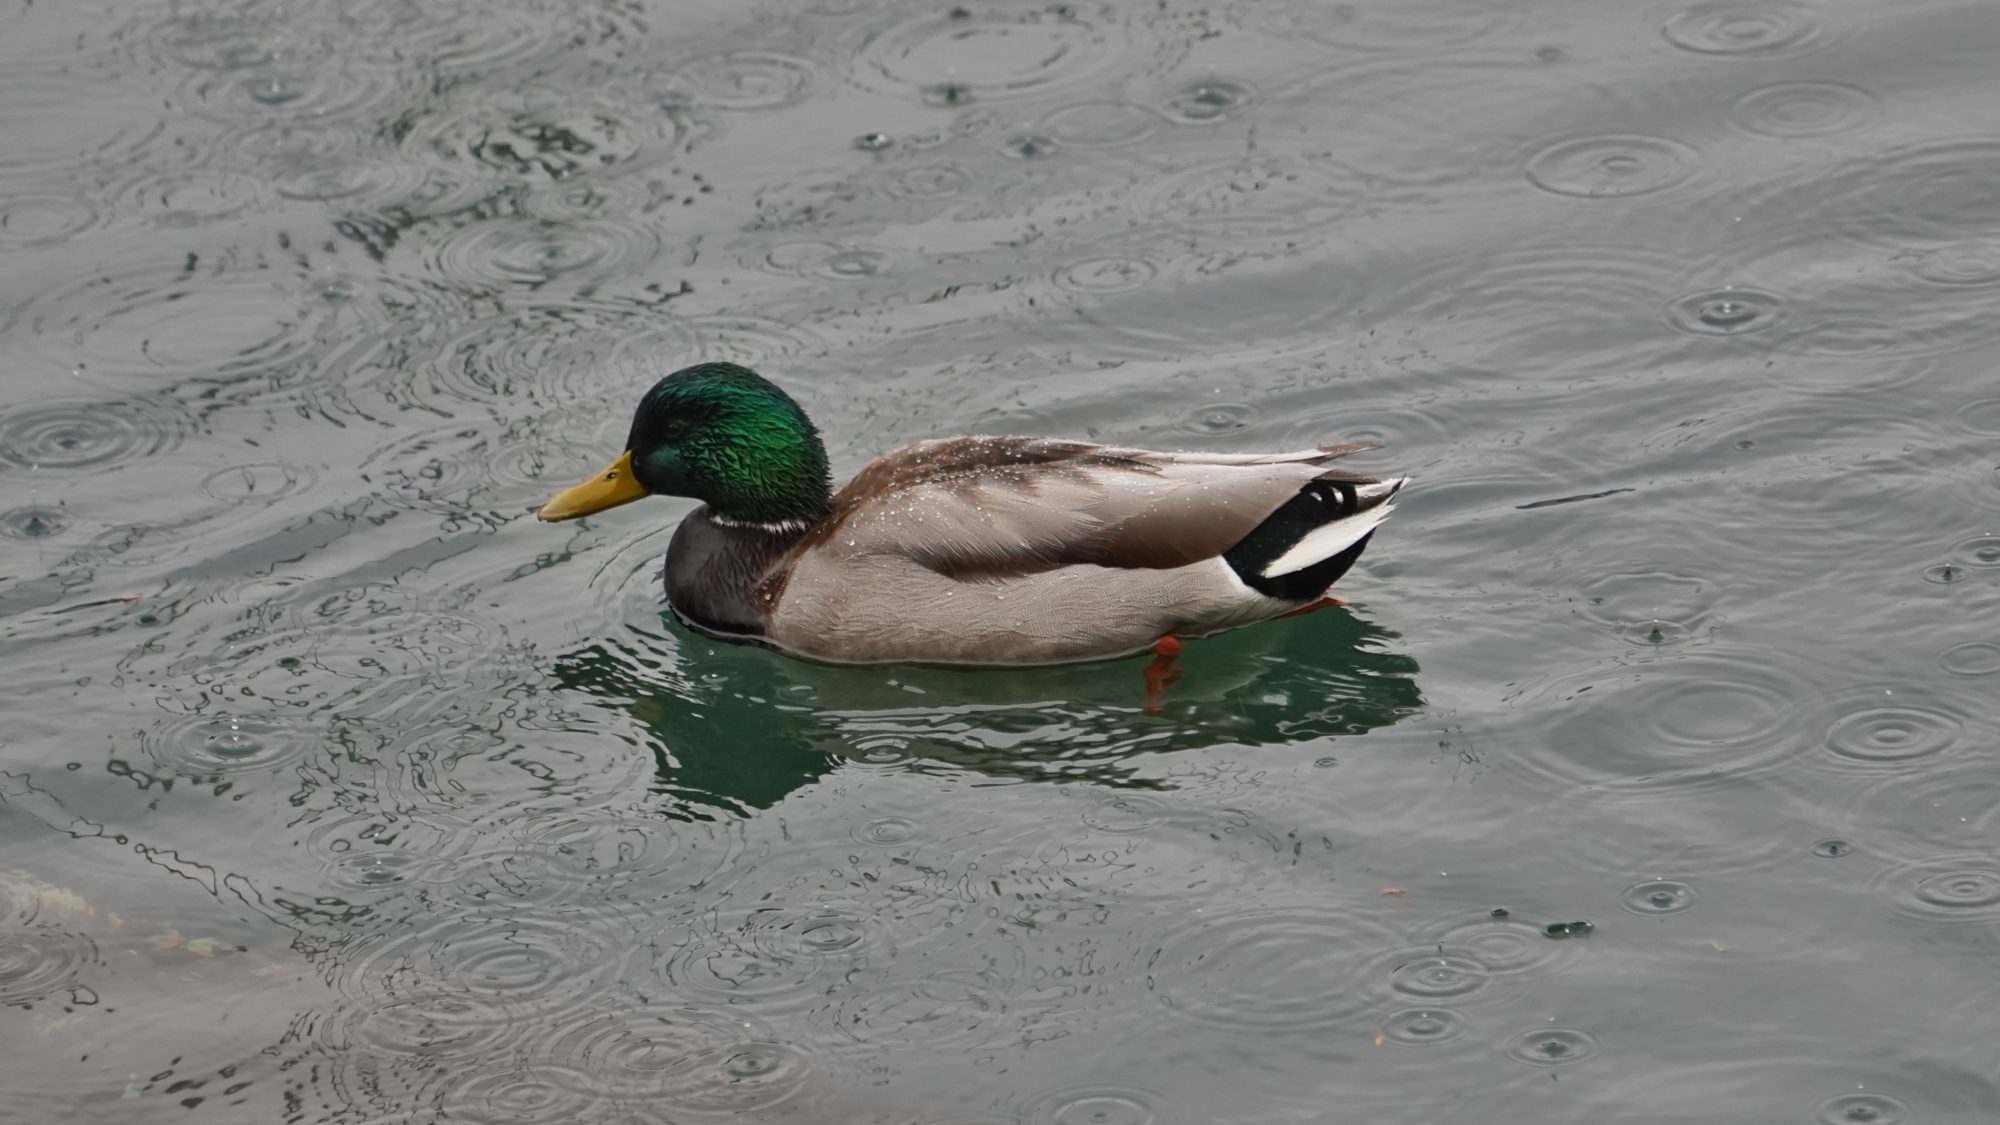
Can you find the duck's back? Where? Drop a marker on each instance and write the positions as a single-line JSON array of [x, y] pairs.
[[1030, 550]]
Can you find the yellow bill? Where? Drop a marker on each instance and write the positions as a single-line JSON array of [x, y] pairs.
[[614, 486]]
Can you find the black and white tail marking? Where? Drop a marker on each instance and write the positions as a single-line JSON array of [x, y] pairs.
[[1313, 538]]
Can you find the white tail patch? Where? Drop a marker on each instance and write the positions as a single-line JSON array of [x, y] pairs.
[[1328, 540]]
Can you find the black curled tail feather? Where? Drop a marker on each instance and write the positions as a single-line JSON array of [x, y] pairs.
[[1319, 504]]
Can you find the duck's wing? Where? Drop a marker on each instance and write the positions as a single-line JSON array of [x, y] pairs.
[[982, 507]]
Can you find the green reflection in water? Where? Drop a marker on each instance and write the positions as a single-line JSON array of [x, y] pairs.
[[734, 728]]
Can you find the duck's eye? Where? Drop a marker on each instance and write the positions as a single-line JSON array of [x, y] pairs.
[[676, 429]]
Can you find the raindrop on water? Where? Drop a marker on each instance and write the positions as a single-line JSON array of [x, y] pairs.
[[1555, 1046], [1725, 312]]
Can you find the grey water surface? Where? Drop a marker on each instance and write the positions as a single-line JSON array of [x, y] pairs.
[[335, 788]]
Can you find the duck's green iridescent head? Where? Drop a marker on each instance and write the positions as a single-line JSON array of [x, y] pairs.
[[721, 434]]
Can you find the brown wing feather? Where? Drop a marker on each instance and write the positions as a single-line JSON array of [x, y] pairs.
[[973, 507]]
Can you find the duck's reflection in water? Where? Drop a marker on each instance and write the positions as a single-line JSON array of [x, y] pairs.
[[735, 727]]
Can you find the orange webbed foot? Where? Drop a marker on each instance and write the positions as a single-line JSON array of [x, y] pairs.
[[1327, 602], [1162, 671]]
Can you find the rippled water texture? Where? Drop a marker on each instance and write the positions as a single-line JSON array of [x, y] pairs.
[[1649, 774]]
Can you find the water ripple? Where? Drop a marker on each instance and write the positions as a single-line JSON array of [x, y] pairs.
[[1804, 109], [741, 80], [1133, 290], [1704, 720], [753, 341], [352, 180], [1743, 28], [642, 1052], [42, 219], [1418, 427], [1100, 124], [1411, 26], [1981, 416], [432, 470], [361, 647], [1981, 551], [531, 253], [950, 1010], [1860, 333], [1509, 951], [1928, 193], [512, 968], [681, 1057], [1553, 1046], [1125, 812], [1888, 728], [826, 261], [309, 82], [26, 901], [1953, 888], [1885, 254], [1423, 1027], [71, 436], [258, 483], [1095, 1104], [439, 1028], [511, 1092], [1944, 574], [1790, 484], [456, 37], [1264, 195], [1963, 263], [519, 468], [188, 198], [1105, 274], [1647, 606], [1972, 658], [557, 352], [1657, 896], [1728, 311], [1557, 300], [367, 873], [112, 135], [625, 592], [1953, 809], [1271, 968], [1211, 418], [139, 545], [205, 40], [376, 851], [887, 831], [219, 321], [772, 959], [1210, 99], [38, 961], [545, 134], [935, 180], [1614, 165], [214, 747], [1861, 1109], [746, 1077], [602, 856], [1435, 973], [1029, 146], [1000, 53], [33, 522]]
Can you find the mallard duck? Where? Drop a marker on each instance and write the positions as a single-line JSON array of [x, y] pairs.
[[973, 550]]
